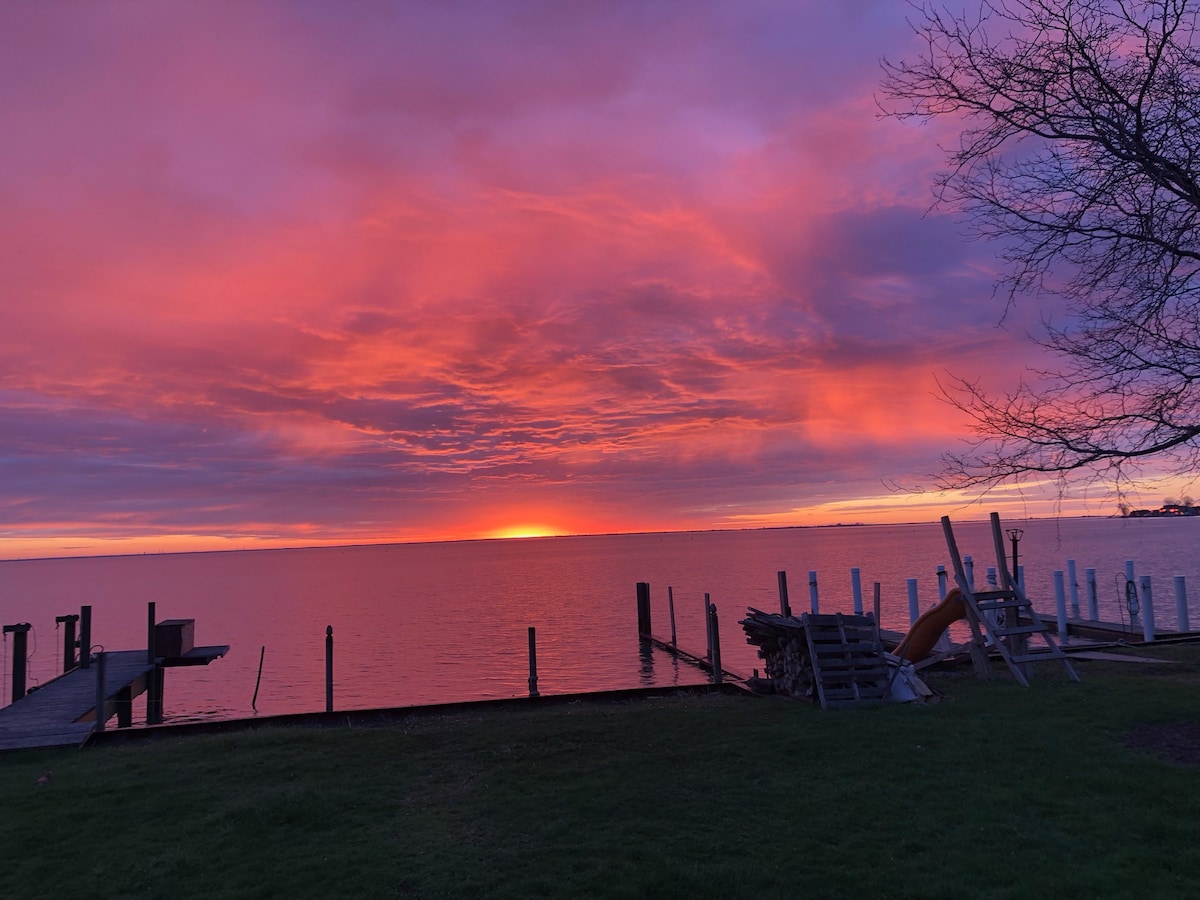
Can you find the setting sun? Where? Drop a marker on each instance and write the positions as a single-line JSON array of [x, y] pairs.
[[525, 531]]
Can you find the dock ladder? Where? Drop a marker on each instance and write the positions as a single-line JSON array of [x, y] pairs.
[[1004, 614]]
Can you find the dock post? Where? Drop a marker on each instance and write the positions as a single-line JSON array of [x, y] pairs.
[[969, 570], [1060, 604], [671, 613], [20, 633], [1093, 602], [1181, 610], [941, 579], [877, 609], [813, 602], [715, 631], [914, 607], [533, 691], [643, 607], [328, 668], [85, 637], [1131, 597], [101, 694], [708, 630], [154, 695], [785, 607], [150, 632], [856, 590], [991, 576], [69, 639], [1147, 610], [1073, 587]]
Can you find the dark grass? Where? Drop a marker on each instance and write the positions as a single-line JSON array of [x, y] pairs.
[[998, 791]]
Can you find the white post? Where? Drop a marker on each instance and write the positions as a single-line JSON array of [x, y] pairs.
[[914, 609], [1147, 610], [1073, 587], [1093, 604], [941, 577], [1181, 610], [812, 593], [1060, 604], [856, 590], [969, 568]]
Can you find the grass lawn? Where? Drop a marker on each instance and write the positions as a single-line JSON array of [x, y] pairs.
[[996, 791]]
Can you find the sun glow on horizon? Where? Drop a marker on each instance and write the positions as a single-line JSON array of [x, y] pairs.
[[525, 531]]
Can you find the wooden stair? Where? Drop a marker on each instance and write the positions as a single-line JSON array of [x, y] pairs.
[[847, 659], [1003, 615]]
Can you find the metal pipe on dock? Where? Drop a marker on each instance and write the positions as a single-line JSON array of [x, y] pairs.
[[1182, 622]]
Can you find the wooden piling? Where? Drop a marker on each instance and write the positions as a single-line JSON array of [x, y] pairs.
[[643, 607], [715, 650], [254, 700], [533, 678], [671, 612], [708, 630], [69, 640], [1073, 588], [1182, 622], [1148, 633], [1060, 604], [1093, 599], [85, 637], [813, 602], [856, 590], [785, 606], [942, 582], [151, 632], [328, 668], [101, 712], [20, 633], [914, 605]]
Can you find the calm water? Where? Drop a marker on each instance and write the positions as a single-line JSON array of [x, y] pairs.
[[422, 623]]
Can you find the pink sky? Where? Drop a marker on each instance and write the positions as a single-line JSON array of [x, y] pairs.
[[281, 273]]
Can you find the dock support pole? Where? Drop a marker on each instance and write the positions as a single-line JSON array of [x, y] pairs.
[[991, 576], [20, 633], [151, 633], [708, 627], [101, 693], [1060, 604], [969, 570], [69, 639], [1131, 597], [1073, 587], [1181, 610], [914, 606], [1147, 610], [715, 630], [1093, 601], [643, 607], [85, 636], [877, 609], [856, 590], [785, 606], [156, 680], [813, 602], [671, 613], [941, 579], [328, 668], [533, 691]]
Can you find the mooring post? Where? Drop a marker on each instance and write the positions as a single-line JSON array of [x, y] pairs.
[[941, 580], [813, 602], [85, 637], [671, 612], [101, 694], [69, 639], [708, 635], [785, 606], [1073, 587], [1060, 604], [156, 681], [715, 631], [991, 576], [151, 632], [914, 606], [328, 668], [856, 591], [643, 606], [1093, 599], [20, 633], [1131, 597], [1147, 610], [1182, 622], [969, 570], [877, 611], [533, 691]]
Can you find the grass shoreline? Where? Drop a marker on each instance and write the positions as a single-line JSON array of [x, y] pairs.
[[997, 791]]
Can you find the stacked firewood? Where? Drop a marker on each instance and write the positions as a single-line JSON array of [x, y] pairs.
[[783, 649]]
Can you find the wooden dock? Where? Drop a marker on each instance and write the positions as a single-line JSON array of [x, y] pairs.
[[63, 711]]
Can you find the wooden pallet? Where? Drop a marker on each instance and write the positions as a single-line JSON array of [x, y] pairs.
[[847, 659]]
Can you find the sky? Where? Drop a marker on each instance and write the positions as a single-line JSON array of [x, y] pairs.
[[299, 273]]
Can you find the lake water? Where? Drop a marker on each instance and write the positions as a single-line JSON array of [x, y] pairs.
[[428, 623]]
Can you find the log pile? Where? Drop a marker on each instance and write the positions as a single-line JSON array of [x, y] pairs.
[[783, 649]]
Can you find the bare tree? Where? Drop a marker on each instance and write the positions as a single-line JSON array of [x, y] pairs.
[[1080, 153]]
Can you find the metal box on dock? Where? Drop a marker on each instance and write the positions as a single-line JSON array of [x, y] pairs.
[[174, 637]]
